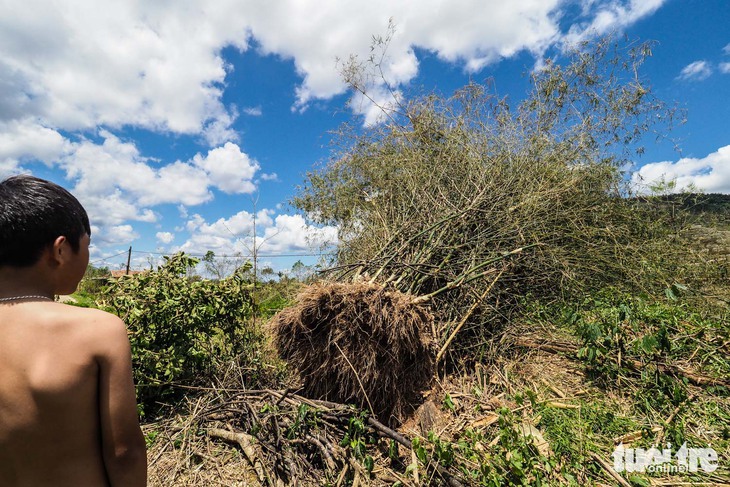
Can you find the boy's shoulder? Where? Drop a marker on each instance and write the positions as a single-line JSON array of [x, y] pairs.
[[93, 329], [101, 324], [76, 315], [91, 315], [54, 326]]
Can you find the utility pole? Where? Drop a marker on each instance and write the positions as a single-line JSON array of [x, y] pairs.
[[255, 250], [255, 260], [129, 258]]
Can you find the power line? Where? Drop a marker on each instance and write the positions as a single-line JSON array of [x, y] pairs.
[[216, 257], [107, 258], [319, 254]]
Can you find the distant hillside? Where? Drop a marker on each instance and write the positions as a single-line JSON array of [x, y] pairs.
[[711, 210], [718, 204]]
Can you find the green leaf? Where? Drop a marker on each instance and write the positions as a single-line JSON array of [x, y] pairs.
[[369, 463], [639, 481], [393, 450], [448, 403]]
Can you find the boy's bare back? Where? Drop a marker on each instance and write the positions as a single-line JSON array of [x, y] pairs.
[[65, 376], [68, 414]]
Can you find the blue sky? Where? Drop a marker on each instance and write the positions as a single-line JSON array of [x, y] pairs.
[[174, 122]]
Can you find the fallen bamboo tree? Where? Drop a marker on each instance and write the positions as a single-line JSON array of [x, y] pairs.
[[373, 343], [451, 191], [460, 190]]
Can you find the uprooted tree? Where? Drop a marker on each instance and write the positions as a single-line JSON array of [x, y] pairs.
[[468, 204]]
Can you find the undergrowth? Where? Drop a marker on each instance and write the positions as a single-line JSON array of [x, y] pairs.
[[637, 364], [185, 332], [527, 417]]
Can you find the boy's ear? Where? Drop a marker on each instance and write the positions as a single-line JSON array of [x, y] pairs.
[[60, 249]]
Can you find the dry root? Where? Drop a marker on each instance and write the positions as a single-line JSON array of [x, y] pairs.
[[359, 343]]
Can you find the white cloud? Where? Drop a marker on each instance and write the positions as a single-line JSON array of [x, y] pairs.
[[458, 31], [611, 15], [116, 182], [291, 233], [195, 222], [113, 208], [165, 237], [698, 70], [115, 165], [229, 169], [238, 226], [725, 68], [253, 111], [274, 234], [710, 173], [270, 177], [22, 139], [726, 49], [79, 65], [113, 235], [471, 33]]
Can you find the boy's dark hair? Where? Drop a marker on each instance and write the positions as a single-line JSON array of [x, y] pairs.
[[33, 213]]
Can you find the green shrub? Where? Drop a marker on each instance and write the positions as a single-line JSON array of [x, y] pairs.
[[615, 327], [182, 329]]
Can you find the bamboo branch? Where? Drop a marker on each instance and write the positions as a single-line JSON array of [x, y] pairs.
[[389, 433], [414, 237], [609, 469], [463, 321], [461, 279], [635, 365]]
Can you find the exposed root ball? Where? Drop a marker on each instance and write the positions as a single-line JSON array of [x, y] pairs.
[[359, 343]]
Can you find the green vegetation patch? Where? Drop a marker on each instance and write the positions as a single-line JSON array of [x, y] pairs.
[[182, 329]]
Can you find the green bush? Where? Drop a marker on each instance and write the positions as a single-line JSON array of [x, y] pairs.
[[183, 329]]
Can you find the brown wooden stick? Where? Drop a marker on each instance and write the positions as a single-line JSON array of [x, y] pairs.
[[246, 443], [342, 475], [331, 464], [609, 469], [394, 435], [548, 346], [660, 436]]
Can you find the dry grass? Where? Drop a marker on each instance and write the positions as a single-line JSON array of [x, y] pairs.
[[359, 343], [273, 438], [294, 439], [178, 454]]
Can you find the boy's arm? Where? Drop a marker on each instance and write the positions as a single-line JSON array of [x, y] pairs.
[[123, 445]]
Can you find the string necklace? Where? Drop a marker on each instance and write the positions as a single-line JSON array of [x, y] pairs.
[[30, 296]]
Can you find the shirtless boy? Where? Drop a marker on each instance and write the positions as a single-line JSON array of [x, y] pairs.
[[68, 415]]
